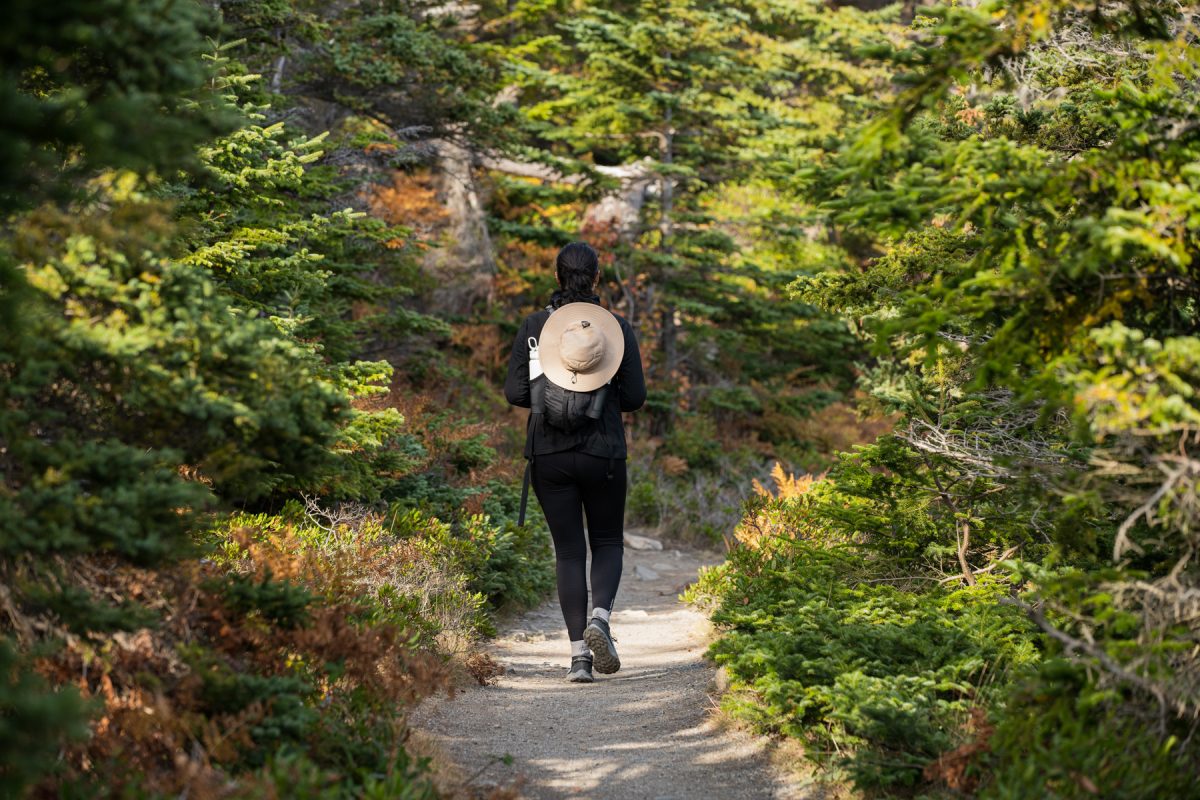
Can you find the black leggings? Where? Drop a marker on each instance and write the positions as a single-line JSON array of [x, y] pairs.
[[567, 485]]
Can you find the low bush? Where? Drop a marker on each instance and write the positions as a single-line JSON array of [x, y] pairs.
[[880, 678], [694, 439], [692, 505], [643, 506], [1058, 736], [280, 664], [237, 676], [441, 578], [911, 682]]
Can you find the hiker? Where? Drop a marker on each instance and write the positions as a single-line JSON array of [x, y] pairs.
[[576, 366]]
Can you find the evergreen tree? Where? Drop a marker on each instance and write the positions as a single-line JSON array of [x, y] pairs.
[[177, 337], [1054, 247], [709, 101], [79, 80], [1022, 263]]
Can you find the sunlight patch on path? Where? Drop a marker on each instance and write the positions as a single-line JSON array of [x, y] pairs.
[[645, 732]]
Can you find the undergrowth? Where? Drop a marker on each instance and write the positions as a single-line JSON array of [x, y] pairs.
[[248, 674], [882, 679], [906, 683], [286, 658], [691, 485]]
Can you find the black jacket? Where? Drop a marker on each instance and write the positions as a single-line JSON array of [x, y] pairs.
[[606, 436]]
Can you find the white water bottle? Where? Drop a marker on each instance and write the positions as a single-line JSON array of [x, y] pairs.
[[535, 361]]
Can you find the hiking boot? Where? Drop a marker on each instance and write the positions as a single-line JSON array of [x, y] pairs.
[[600, 642], [581, 670]]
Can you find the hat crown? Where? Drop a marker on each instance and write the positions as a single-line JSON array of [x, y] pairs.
[[581, 346]]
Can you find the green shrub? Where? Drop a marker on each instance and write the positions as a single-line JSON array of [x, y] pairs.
[[504, 565], [643, 505], [294, 775], [517, 569], [1058, 736], [694, 439], [885, 676], [471, 453], [34, 720], [281, 603]]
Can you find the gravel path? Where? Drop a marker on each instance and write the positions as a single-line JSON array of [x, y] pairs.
[[645, 732]]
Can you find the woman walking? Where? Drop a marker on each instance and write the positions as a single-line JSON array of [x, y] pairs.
[[577, 367]]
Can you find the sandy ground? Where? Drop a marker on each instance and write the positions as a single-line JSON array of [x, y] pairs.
[[648, 731]]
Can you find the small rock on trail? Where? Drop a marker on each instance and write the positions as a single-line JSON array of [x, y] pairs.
[[645, 573], [637, 542], [646, 732]]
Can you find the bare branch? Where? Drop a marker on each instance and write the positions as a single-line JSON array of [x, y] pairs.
[[1091, 650]]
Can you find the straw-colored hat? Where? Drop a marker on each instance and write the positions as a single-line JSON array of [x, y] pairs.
[[581, 347]]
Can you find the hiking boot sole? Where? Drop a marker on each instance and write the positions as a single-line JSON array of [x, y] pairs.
[[604, 653]]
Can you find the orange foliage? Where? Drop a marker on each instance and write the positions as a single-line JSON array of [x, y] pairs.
[[483, 668], [602, 234], [778, 515], [787, 486], [951, 767], [838, 427], [153, 725], [411, 201], [481, 343], [518, 257], [673, 465]]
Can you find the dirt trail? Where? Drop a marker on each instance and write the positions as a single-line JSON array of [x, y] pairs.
[[645, 732]]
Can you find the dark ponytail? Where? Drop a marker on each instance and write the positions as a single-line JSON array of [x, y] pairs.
[[576, 268]]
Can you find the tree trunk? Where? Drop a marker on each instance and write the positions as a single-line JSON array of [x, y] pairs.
[[466, 265], [964, 542], [667, 188], [669, 333]]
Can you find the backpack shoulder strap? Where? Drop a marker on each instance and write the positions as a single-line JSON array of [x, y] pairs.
[[532, 447]]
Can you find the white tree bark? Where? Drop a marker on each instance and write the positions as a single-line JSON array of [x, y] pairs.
[[465, 266], [619, 211]]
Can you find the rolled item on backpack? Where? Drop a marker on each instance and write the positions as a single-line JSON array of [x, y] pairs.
[[596, 408]]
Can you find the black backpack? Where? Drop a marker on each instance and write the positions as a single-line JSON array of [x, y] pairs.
[[565, 409]]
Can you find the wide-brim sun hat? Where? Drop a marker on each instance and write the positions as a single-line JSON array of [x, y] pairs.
[[581, 347]]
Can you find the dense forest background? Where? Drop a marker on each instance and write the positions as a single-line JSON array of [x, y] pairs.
[[917, 296]]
